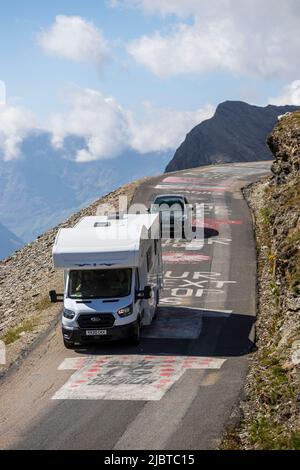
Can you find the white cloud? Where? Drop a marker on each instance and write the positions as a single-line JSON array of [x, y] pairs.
[[181, 8], [15, 124], [225, 35], [163, 129], [2, 92], [289, 95], [100, 121], [109, 129], [106, 127], [76, 39]]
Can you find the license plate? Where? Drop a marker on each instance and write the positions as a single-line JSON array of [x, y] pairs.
[[96, 332]]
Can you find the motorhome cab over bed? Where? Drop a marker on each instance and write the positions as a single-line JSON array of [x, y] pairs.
[[112, 277]]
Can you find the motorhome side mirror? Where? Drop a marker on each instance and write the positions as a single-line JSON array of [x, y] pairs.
[[139, 295], [147, 292], [53, 296], [144, 294]]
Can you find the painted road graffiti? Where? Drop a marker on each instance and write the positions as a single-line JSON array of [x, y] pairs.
[[200, 185], [208, 189], [180, 180], [179, 289], [223, 174], [219, 241], [223, 222], [217, 209], [214, 223], [195, 245], [208, 174], [177, 257], [127, 377]]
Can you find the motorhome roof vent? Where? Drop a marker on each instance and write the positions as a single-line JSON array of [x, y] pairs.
[[101, 224]]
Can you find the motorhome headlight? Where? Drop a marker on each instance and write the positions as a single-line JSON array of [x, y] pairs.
[[69, 314], [125, 311]]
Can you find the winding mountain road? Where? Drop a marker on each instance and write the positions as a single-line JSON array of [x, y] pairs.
[[177, 389]]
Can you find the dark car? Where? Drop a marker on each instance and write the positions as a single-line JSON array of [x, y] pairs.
[[175, 214]]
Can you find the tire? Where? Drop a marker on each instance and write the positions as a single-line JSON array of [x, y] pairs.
[[135, 339], [68, 344]]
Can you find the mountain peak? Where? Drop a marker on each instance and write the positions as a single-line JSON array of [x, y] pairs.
[[236, 133], [232, 104]]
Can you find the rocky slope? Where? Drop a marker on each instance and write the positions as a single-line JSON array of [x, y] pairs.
[[271, 410], [26, 278], [236, 133]]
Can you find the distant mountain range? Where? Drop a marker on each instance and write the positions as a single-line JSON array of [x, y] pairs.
[[43, 186], [9, 242], [236, 133]]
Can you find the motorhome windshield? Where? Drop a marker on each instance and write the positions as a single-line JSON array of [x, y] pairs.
[[99, 283]]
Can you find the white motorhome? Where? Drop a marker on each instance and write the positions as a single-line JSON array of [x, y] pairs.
[[113, 275]]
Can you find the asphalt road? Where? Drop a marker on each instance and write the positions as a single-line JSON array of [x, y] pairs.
[[177, 389]]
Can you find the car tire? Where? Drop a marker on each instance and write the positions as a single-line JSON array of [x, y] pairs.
[[69, 344]]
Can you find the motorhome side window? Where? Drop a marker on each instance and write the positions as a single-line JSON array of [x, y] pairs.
[[99, 283]]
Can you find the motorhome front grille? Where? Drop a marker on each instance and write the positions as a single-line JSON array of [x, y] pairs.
[[96, 320]]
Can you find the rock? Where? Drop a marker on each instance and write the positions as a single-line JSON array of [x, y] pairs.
[[288, 366], [296, 352], [298, 403], [284, 142]]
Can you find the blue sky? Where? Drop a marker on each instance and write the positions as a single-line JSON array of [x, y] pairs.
[[172, 57]]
